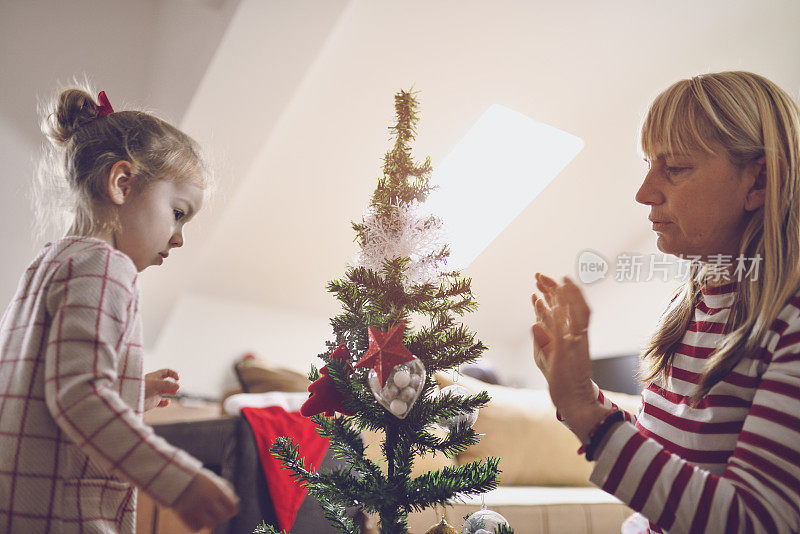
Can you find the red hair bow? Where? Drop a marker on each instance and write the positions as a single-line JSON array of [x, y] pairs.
[[105, 106]]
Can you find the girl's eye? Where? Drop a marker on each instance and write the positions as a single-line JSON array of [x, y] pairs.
[[178, 214]]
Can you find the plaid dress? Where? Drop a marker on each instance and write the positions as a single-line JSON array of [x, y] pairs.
[[72, 441]]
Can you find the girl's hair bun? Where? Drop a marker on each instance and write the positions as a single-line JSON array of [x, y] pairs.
[[85, 142], [72, 109]]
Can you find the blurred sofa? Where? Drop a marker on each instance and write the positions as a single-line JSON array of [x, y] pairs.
[[543, 486]]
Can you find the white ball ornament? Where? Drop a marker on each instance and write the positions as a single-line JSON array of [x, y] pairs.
[[465, 419], [398, 407], [407, 394], [402, 378], [402, 388], [483, 522]]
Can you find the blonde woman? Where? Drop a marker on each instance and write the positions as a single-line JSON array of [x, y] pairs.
[[715, 446]]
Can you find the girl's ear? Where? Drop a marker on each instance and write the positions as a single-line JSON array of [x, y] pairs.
[[120, 182], [755, 197]]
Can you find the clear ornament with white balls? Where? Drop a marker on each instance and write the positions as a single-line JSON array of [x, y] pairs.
[[401, 390], [463, 419]]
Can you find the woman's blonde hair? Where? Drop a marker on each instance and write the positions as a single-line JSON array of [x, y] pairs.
[[72, 176], [751, 118]]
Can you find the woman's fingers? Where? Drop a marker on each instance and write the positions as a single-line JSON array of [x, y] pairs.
[[546, 285], [540, 335], [540, 339], [565, 314], [559, 325], [543, 314], [578, 311], [539, 309]]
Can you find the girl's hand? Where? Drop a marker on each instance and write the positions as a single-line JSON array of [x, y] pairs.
[[561, 350], [206, 502], [156, 385]]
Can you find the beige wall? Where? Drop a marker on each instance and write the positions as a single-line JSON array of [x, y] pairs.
[[204, 336]]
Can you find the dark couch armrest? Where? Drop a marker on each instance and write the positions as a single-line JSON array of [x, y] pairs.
[[212, 441], [227, 446]]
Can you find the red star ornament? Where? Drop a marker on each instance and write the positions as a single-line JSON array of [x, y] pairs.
[[324, 395], [386, 350]]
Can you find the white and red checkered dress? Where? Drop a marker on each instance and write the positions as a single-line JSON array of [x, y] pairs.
[[72, 440]]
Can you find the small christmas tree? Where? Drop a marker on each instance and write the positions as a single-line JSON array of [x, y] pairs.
[[400, 306]]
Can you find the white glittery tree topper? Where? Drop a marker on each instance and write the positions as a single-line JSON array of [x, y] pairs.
[[407, 232]]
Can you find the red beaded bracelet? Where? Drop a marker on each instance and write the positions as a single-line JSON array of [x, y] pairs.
[[596, 434]]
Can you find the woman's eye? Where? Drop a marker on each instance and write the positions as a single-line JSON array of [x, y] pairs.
[[671, 171], [178, 214]]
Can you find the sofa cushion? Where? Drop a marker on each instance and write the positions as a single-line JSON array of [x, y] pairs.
[[256, 376], [520, 426]]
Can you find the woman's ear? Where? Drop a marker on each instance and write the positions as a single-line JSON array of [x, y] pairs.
[[120, 182], [757, 193]]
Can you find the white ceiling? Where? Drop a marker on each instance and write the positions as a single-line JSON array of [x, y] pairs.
[[291, 99]]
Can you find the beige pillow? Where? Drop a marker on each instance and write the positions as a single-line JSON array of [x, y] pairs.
[[521, 428], [422, 464], [257, 377]]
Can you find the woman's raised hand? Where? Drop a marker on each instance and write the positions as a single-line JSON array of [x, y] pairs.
[[561, 349]]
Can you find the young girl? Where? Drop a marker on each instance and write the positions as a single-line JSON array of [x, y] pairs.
[[714, 447], [73, 446]]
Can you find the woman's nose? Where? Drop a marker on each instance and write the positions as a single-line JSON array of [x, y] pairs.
[[648, 193]]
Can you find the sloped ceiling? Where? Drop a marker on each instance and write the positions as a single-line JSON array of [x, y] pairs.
[[292, 99], [300, 95]]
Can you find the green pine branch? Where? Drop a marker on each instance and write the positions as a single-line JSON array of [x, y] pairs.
[[438, 487], [336, 515], [264, 528], [346, 444]]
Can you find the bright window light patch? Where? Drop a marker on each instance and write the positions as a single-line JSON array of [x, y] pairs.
[[492, 174]]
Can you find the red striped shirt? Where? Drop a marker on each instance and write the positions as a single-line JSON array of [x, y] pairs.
[[731, 464]]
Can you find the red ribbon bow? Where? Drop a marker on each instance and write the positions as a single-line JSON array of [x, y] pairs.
[[105, 106]]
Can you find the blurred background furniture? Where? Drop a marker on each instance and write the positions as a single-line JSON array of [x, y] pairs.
[[226, 445], [544, 484]]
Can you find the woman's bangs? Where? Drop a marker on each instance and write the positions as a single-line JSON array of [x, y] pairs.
[[675, 124]]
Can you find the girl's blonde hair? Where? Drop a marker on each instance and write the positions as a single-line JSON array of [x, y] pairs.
[[72, 176], [750, 117]]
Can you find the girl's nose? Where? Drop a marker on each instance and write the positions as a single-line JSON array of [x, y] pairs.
[[177, 239]]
